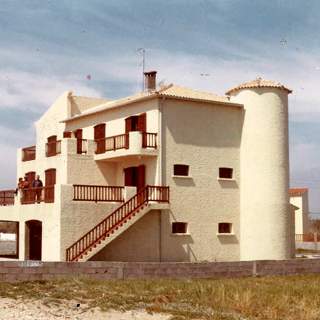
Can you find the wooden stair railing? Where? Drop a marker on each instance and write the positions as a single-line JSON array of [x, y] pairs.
[[116, 219]]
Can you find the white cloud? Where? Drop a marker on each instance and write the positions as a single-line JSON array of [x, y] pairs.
[[23, 90]]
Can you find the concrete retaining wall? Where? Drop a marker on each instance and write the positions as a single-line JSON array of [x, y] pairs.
[[34, 270]]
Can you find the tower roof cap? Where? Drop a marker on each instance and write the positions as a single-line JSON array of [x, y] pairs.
[[259, 83]]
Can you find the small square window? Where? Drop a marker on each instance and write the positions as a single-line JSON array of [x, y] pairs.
[[225, 173], [181, 170], [179, 227], [225, 227]]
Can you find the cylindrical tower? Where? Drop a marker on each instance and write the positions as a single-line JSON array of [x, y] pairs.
[[264, 170]]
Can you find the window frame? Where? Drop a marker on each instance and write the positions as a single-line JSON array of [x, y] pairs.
[[223, 232], [227, 176], [185, 226], [182, 166]]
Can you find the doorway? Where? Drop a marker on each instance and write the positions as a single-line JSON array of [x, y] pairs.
[[135, 177], [33, 240], [100, 137]]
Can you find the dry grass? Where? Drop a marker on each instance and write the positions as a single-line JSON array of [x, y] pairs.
[[290, 297]]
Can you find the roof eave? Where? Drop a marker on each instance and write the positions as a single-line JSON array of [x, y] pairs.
[[228, 93], [156, 94], [231, 104], [153, 95]]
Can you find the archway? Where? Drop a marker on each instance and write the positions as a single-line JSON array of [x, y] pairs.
[[33, 243]]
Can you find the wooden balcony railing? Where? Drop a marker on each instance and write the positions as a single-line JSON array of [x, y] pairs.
[[53, 148], [97, 193], [29, 153], [149, 140], [116, 219], [7, 197], [120, 141], [307, 237], [37, 195]]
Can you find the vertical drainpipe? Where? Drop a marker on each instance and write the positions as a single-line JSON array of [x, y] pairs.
[[160, 168]]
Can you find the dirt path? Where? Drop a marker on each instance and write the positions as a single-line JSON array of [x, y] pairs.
[[36, 310]]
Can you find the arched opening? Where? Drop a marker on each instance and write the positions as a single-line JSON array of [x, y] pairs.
[[33, 240]]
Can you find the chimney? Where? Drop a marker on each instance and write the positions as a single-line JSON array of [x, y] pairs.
[[150, 80]]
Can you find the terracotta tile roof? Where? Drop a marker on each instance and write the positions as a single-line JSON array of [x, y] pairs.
[[170, 91], [295, 192], [259, 83], [187, 93]]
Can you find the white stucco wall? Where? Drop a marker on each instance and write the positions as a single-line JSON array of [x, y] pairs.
[[205, 137], [115, 119], [141, 242]]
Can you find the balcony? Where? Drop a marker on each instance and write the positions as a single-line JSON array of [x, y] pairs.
[[37, 195], [134, 143], [29, 153]]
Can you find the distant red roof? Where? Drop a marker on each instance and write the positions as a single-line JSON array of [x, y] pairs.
[[294, 192]]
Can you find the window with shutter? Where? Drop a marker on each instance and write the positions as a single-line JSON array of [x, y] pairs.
[[50, 181], [100, 137], [52, 146], [78, 136], [142, 122]]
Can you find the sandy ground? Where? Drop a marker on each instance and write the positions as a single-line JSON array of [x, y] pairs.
[[36, 310]]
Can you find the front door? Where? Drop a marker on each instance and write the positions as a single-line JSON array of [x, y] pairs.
[[135, 177], [33, 240]]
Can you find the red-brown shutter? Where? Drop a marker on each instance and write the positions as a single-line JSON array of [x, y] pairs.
[[67, 134], [50, 181], [128, 124], [78, 135], [141, 177], [128, 177], [52, 146], [50, 177], [142, 122], [99, 137]]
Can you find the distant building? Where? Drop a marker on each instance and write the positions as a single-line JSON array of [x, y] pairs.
[[169, 174], [299, 198]]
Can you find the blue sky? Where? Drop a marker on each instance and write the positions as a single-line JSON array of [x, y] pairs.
[[48, 47]]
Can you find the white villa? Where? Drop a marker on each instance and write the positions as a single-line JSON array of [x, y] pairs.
[[168, 174], [299, 198]]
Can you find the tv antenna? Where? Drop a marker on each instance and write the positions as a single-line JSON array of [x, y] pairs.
[[142, 51]]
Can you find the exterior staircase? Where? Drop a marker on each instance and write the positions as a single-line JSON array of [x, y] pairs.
[[149, 198]]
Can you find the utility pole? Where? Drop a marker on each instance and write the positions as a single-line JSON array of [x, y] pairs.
[[142, 51]]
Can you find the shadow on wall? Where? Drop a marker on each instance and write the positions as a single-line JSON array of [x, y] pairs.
[[222, 124], [228, 239], [228, 184], [184, 182]]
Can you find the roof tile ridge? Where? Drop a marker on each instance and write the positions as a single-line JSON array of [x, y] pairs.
[[165, 88]]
